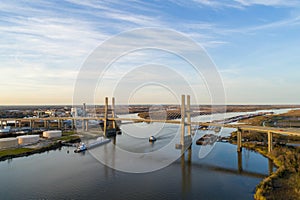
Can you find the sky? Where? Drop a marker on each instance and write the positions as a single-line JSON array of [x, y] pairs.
[[254, 45]]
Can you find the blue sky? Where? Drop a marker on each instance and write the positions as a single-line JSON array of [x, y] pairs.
[[253, 43]]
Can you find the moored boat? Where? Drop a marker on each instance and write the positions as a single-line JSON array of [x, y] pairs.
[[207, 139], [82, 147], [99, 141]]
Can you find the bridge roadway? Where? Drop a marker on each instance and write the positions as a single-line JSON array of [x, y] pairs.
[[264, 129], [242, 127], [184, 140], [282, 131]]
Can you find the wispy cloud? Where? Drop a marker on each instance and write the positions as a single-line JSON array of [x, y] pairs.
[[46, 40], [245, 3], [292, 21], [290, 3], [50, 36], [281, 24]]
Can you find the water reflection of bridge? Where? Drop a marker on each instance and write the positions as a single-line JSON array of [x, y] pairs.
[[187, 165], [185, 122], [186, 162]]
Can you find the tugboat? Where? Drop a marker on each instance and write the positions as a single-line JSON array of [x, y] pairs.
[[99, 141], [152, 139], [80, 148]]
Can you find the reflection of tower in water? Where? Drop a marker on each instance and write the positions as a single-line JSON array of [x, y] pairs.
[[186, 167]]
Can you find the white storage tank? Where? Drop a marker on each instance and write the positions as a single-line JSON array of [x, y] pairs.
[[28, 139], [8, 143], [52, 134]]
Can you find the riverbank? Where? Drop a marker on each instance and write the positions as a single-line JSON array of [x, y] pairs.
[[285, 182], [42, 146]]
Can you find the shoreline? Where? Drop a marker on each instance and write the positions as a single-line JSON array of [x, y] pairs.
[[277, 185], [7, 154], [284, 183]]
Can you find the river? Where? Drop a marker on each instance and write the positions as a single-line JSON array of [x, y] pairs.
[[216, 172]]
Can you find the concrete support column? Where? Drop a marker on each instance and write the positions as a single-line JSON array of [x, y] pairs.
[[105, 115], [33, 124], [46, 124], [83, 124], [188, 113], [58, 124], [86, 125], [270, 166], [239, 140], [113, 111], [182, 120], [73, 124], [83, 115], [270, 141], [84, 110]]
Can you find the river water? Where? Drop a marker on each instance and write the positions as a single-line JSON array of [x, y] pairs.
[[214, 172]]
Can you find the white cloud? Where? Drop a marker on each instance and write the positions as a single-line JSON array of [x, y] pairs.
[[41, 42], [289, 3], [293, 21], [239, 4], [51, 36]]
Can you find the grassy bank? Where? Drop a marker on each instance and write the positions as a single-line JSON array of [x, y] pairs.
[[285, 182], [20, 152], [68, 137]]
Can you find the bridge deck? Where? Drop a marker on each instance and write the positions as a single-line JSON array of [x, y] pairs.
[[282, 131]]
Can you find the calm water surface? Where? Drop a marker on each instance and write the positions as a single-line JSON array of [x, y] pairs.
[[62, 175], [221, 173]]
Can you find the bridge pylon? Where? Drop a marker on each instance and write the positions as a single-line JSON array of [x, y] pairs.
[[185, 140], [109, 131]]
